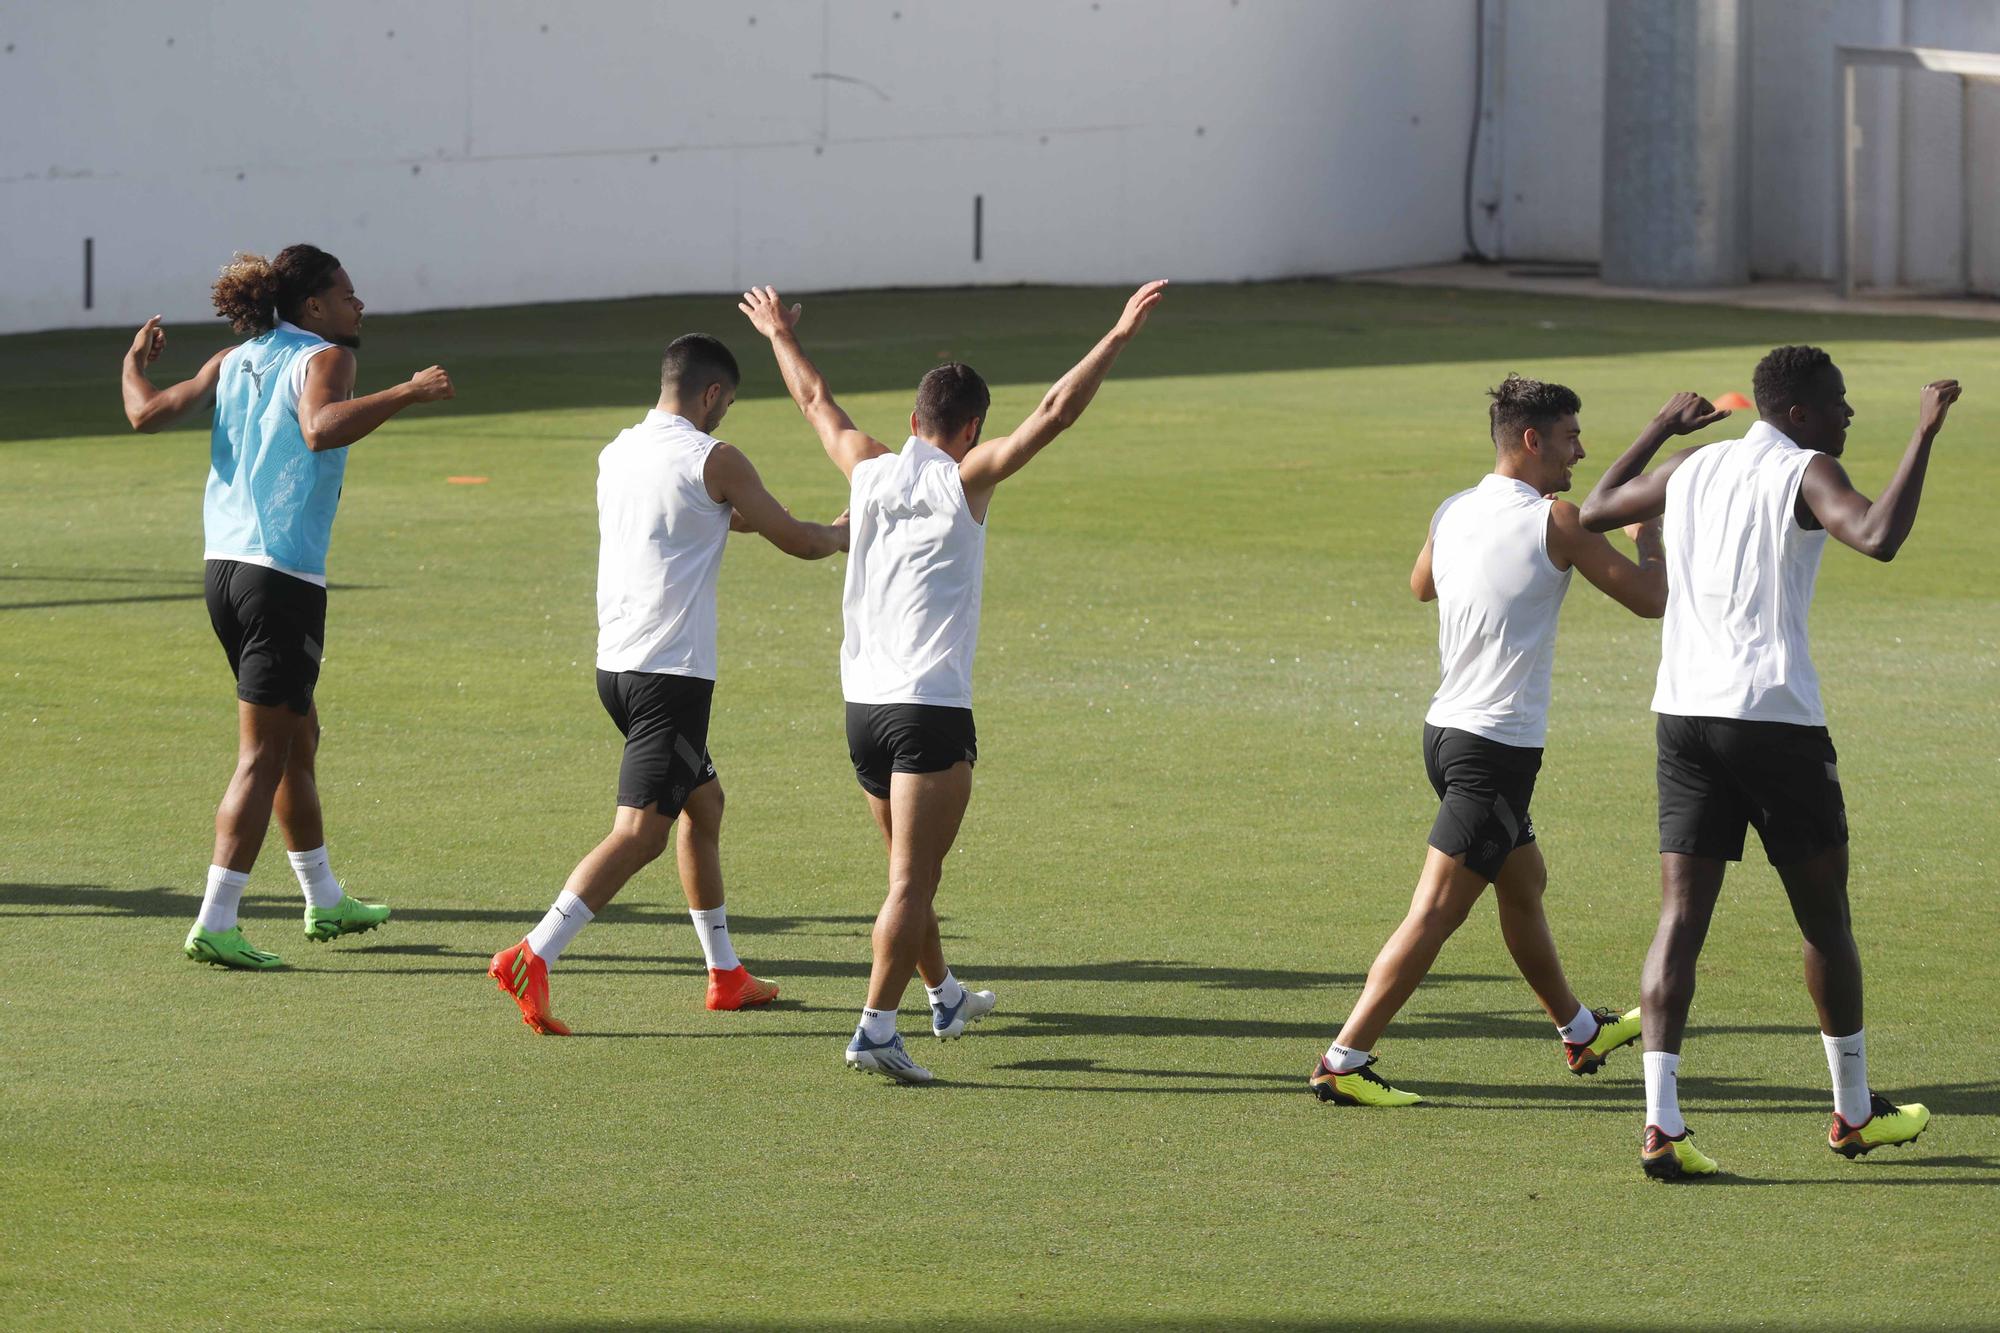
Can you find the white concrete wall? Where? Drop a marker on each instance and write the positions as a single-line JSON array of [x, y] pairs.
[[1543, 165], [1547, 136], [473, 152]]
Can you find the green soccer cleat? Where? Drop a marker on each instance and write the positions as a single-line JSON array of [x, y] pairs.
[[349, 916], [1357, 1087], [228, 948], [1674, 1158], [1613, 1031], [1886, 1126]]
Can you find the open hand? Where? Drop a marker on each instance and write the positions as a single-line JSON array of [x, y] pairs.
[[1937, 399], [147, 342], [1140, 306], [1686, 413], [432, 384], [767, 313]]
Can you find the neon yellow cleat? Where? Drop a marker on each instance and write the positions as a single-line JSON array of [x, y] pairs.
[[1613, 1031], [1674, 1158], [1357, 1087], [228, 948], [1886, 1126], [349, 916]]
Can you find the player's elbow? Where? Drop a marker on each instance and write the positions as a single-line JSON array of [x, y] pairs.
[[1591, 515], [143, 421]]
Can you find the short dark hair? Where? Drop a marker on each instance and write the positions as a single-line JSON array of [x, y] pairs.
[[951, 396], [693, 362], [1520, 403], [1788, 375]]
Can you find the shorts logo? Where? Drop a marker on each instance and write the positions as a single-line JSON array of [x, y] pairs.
[[313, 650], [1833, 773]]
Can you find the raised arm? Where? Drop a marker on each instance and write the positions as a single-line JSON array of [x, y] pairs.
[[149, 408], [1627, 493], [845, 445], [1878, 528], [1640, 588], [733, 480], [991, 462], [330, 419]]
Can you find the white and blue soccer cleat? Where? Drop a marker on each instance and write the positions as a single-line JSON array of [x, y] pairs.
[[887, 1058], [951, 1021]]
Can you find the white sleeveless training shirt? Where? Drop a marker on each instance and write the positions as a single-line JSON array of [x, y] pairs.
[[1740, 575], [915, 562], [1498, 598], [660, 540]]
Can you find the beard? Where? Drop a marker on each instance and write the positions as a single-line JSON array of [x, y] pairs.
[[351, 342]]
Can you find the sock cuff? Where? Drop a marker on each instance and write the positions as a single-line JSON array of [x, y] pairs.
[[302, 860], [572, 905], [229, 878]]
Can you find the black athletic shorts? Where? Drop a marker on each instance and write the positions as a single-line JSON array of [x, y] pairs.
[[1719, 775], [664, 720], [907, 738], [1483, 792], [272, 626]]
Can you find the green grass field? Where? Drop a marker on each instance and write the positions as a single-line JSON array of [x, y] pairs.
[[1200, 808]]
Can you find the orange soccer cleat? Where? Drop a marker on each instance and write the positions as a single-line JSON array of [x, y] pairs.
[[737, 989], [526, 978]]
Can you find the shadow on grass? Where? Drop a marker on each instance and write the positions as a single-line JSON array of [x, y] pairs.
[[168, 903], [178, 579], [1168, 1321], [605, 354]]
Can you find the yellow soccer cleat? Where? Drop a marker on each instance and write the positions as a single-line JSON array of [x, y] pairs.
[[1674, 1158], [1613, 1031], [1886, 1126], [1357, 1087]]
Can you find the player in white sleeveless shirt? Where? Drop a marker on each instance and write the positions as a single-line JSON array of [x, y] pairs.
[[1498, 562], [911, 613], [668, 495], [1742, 735]]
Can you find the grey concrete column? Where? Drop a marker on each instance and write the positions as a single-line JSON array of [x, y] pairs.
[[1676, 143]]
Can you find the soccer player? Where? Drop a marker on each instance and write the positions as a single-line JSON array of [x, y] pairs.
[[285, 415], [1742, 735], [668, 494], [911, 615], [1497, 562]]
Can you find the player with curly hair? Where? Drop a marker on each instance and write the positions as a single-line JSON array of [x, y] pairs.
[[1497, 562], [1742, 735], [285, 415]]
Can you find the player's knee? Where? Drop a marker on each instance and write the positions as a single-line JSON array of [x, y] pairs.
[[647, 842], [703, 811]]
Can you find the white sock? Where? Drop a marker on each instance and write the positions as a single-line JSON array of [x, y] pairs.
[[315, 877], [1848, 1064], [218, 904], [559, 927], [878, 1024], [711, 924], [1344, 1059], [1580, 1029], [948, 994], [1663, 1093]]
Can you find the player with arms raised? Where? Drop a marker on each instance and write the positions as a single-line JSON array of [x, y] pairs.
[[911, 618], [1497, 562], [285, 415], [1741, 731]]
